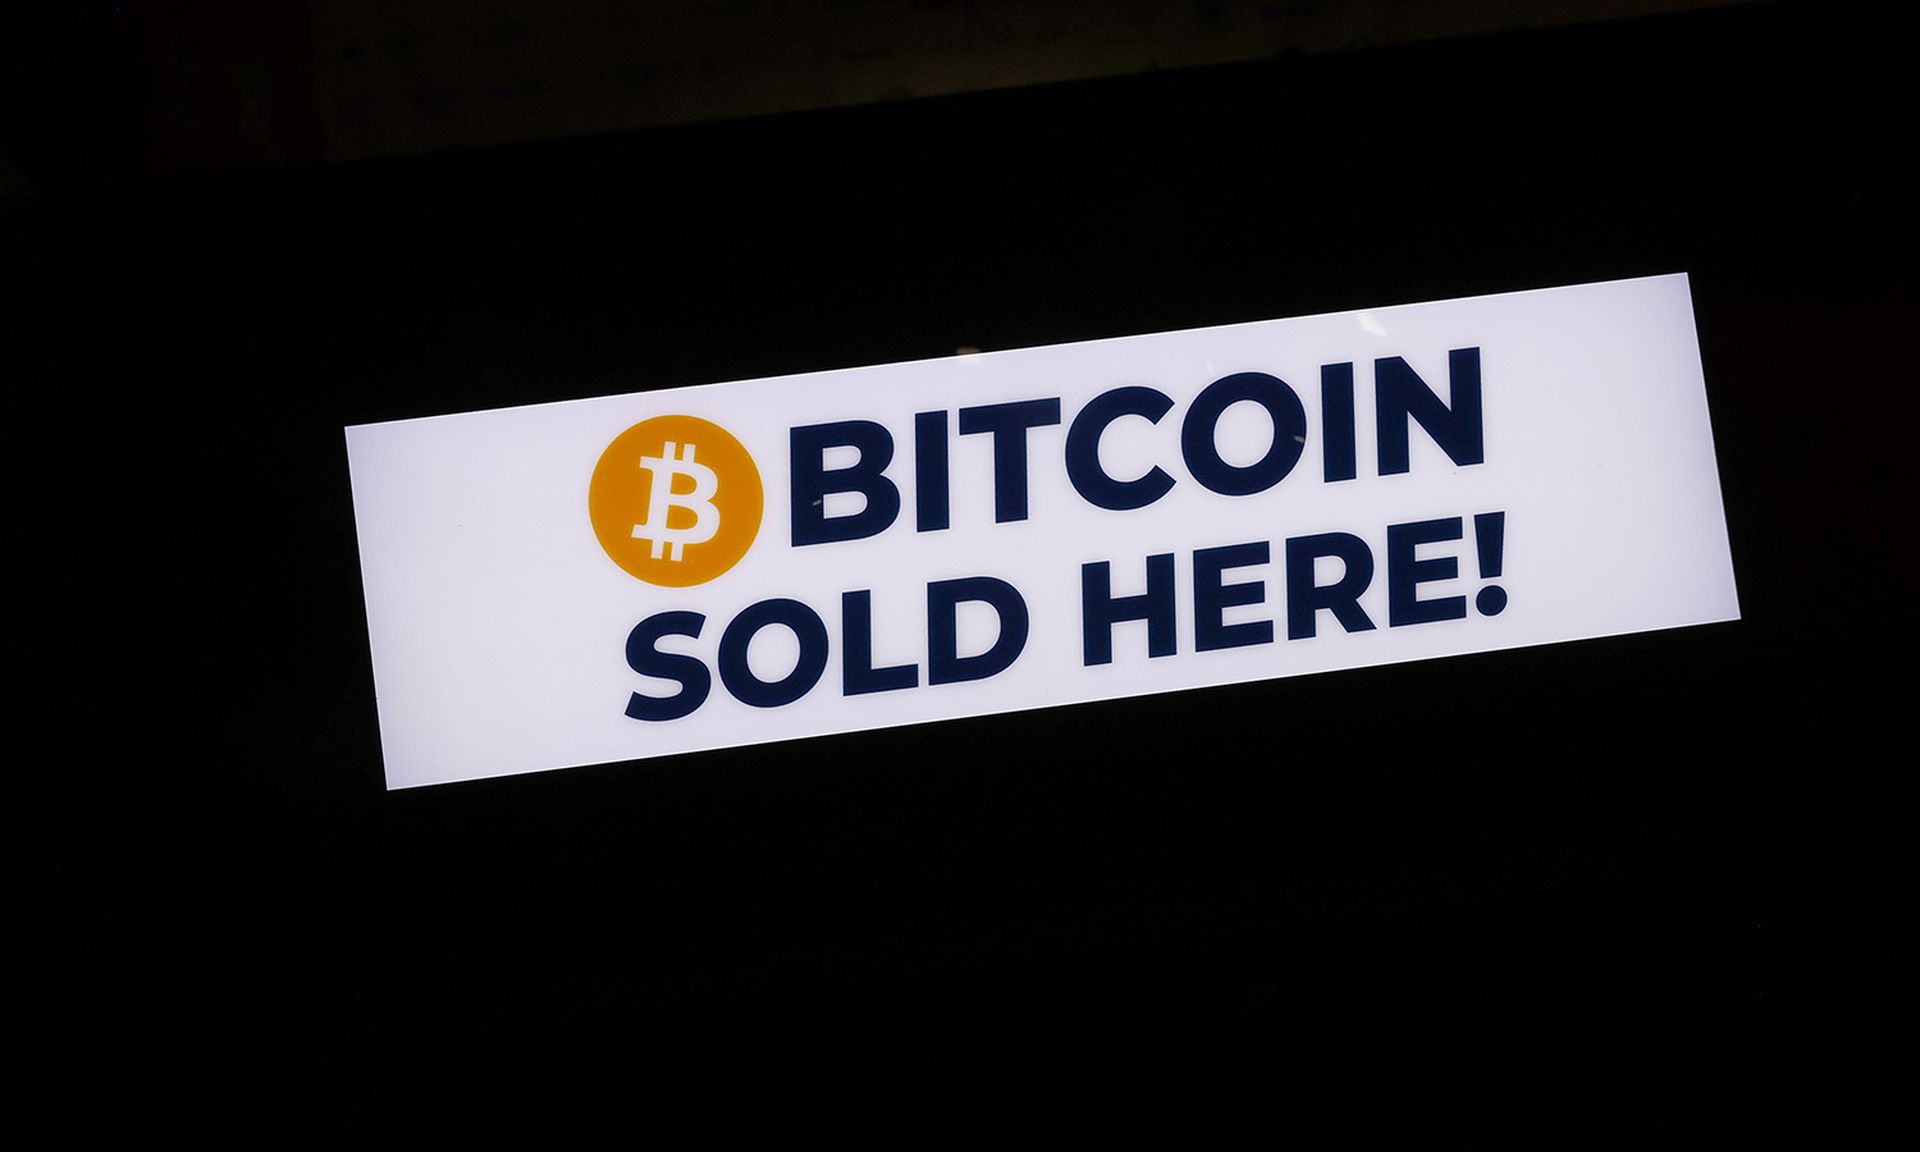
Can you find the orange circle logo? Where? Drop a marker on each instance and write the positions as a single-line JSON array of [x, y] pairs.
[[675, 501]]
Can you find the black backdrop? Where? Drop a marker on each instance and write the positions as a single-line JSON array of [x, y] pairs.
[[1599, 876]]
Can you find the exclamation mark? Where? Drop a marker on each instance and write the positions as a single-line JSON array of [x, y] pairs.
[[1490, 538]]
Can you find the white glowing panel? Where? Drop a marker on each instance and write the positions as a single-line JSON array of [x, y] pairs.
[[664, 572]]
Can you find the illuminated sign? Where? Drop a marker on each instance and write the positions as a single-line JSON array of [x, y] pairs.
[[707, 567]]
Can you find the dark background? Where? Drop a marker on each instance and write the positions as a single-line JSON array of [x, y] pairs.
[[1603, 880]]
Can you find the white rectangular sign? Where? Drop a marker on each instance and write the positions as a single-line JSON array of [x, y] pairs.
[[664, 572]]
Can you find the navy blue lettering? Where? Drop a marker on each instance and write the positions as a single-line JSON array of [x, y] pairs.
[[645, 658], [858, 676], [1336, 422], [813, 483], [1289, 433], [1342, 597], [1490, 541], [738, 676], [1211, 598], [929, 471], [1083, 449], [1100, 610], [1009, 424], [945, 665], [1405, 574], [1400, 395]]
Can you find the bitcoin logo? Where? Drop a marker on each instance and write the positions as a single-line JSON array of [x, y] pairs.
[[675, 501], [672, 542]]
